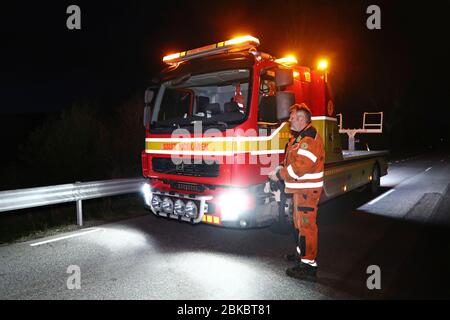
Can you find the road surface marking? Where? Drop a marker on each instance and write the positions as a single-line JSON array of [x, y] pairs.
[[380, 197], [65, 237], [428, 169]]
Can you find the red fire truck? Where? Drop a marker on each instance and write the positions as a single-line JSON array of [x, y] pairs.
[[216, 125]]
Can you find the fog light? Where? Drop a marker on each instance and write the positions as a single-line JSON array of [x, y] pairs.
[[156, 203], [179, 207], [167, 205], [191, 209]]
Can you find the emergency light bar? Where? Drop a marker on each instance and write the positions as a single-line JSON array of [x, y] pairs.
[[235, 44], [287, 61]]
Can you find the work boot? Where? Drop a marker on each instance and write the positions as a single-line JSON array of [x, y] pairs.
[[303, 271]]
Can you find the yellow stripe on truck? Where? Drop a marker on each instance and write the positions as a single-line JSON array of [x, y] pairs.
[[221, 145]]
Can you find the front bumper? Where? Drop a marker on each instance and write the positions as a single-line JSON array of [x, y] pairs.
[[262, 212]]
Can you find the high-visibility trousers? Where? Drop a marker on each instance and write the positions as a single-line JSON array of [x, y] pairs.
[[305, 214]]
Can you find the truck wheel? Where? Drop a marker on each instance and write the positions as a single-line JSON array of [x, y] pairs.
[[375, 183]]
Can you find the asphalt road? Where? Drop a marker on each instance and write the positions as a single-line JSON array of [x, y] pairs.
[[404, 231]]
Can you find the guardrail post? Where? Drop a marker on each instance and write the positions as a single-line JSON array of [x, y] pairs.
[[79, 210], [79, 213]]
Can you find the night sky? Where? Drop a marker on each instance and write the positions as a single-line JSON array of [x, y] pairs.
[[404, 66]]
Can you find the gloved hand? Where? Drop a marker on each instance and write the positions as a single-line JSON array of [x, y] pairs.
[[273, 174]]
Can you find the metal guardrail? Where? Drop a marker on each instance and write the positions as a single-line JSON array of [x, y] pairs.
[[74, 192]]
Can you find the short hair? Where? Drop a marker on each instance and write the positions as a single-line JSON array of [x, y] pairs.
[[302, 107]]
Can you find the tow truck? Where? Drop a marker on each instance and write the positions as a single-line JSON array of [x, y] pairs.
[[216, 126]]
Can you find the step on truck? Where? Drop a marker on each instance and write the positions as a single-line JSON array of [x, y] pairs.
[[216, 126]]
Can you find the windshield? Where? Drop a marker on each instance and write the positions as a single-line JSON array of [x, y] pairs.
[[217, 98]]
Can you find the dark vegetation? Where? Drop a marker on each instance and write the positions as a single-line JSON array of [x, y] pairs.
[[80, 143]]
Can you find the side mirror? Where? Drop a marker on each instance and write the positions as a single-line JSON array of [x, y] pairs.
[[147, 114], [285, 100], [149, 94], [284, 77]]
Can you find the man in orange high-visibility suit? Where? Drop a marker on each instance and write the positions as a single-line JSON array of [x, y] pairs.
[[302, 172]]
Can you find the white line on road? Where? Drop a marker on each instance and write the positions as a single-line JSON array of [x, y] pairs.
[[380, 197], [65, 237], [428, 169]]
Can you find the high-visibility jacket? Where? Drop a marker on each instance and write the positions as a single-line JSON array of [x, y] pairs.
[[303, 166], [302, 173]]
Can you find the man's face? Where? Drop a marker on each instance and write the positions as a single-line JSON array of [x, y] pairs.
[[297, 121]]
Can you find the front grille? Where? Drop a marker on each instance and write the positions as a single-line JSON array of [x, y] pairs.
[[167, 165], [187, 186]]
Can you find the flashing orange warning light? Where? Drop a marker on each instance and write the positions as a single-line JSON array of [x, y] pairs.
[[171, 57], [287, 61], [241, 40], [322, 65]]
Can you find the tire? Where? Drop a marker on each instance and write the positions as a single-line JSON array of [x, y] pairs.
[[374, 185]]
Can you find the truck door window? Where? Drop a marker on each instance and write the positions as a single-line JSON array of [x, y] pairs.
[[176, 103]]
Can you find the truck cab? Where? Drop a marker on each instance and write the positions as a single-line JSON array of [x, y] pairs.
[[216, 126]]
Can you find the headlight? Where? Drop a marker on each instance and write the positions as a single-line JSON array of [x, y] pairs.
[[167, 205], [156, 203], [191, 209], [147, 192], [179, 207], [232, 203]]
